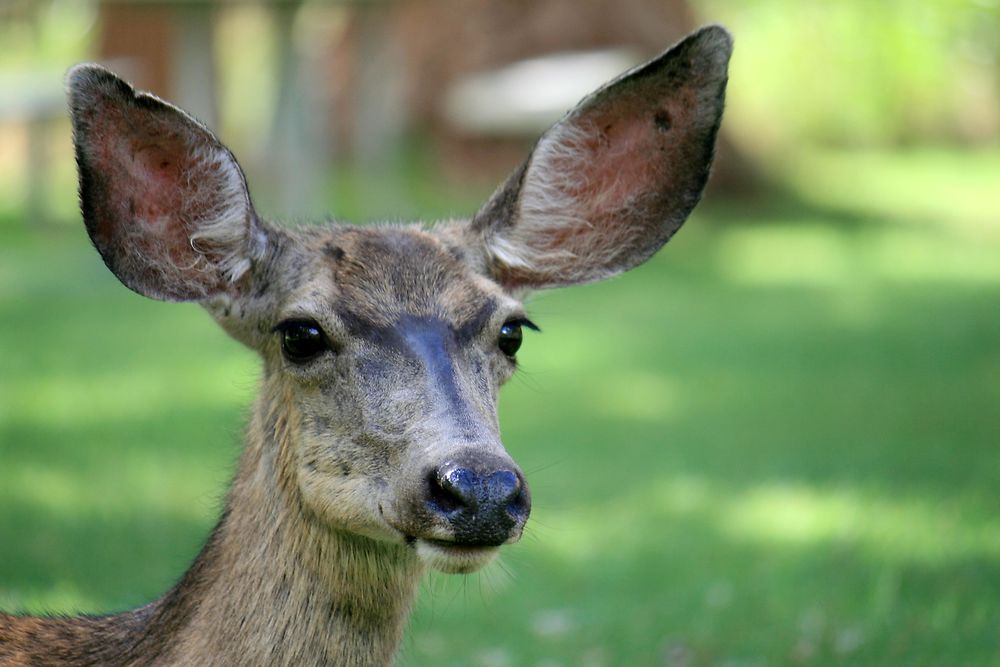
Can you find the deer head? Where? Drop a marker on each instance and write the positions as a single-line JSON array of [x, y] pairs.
[[384, 347]]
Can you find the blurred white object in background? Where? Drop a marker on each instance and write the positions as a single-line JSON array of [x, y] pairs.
[[528, 96]]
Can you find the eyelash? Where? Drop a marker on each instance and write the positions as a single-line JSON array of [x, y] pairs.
[[524, 322]]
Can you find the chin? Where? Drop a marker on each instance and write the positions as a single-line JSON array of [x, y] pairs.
[[453, 558]]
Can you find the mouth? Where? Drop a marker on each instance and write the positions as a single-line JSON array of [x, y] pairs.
[[453, 558]]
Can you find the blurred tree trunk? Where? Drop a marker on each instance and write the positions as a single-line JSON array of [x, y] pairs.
[[298, 153], [165, 48], [138, 40]]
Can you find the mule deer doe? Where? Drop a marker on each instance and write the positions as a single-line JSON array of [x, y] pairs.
[[373, 452]]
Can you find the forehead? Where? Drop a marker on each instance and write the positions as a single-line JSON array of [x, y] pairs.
[[375, 276]]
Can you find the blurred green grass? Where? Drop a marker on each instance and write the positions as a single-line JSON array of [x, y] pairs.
[[775, 443]]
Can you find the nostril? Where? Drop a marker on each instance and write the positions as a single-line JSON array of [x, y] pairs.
[[452, 488], [511, 494], [503, 486]]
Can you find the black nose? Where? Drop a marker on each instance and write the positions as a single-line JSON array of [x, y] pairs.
[[484, 500]]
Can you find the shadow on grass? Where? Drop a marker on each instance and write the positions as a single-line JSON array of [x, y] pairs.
[[107, 516], [89, 561]]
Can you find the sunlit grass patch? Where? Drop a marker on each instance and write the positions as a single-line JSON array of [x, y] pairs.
[[942, 188], [892, 529], [810, 255], [782, 514], [798, 253]]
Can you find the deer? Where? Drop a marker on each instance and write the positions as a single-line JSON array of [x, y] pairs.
[[373, 451]]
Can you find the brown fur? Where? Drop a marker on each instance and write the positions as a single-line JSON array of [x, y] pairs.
[[379, 456], [273, 586]]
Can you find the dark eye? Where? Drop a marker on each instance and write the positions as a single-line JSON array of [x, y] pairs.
[[509, 341], [301, 340], [510, 338]]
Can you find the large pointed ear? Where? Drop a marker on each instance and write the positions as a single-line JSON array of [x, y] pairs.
[[164, 202], [609, 184]]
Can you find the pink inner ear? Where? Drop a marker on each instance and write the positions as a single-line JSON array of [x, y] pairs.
[[604, 187], [630, 154], [614, 166], [157, 180], [609, 184], [612, 176], [154, 188], [164, 202], [155, 183]]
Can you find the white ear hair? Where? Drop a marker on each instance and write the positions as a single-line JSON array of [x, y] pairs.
[[544, 204], [222, 230]]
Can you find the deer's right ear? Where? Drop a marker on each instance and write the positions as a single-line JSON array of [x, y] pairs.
[[609, 184], [164, 202]]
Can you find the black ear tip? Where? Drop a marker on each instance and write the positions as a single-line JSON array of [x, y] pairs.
[[88, 81], [712, 42], [84, 76]]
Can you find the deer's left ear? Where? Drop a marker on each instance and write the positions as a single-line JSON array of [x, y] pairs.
[[608, 185]]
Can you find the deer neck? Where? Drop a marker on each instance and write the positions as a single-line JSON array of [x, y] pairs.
[[274, 586]]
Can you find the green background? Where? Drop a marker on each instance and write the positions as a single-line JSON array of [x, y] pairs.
[[775, 443]]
